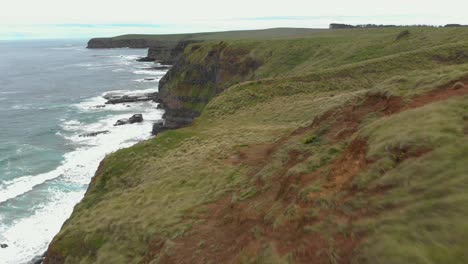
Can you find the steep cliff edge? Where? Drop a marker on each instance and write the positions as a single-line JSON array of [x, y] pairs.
[[201, 72], [169, 55], [349, 147]]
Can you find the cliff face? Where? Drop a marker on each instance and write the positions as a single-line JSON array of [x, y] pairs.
[[201, 72], [169, 54]]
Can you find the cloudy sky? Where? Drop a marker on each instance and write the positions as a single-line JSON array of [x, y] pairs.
[[26, 19]]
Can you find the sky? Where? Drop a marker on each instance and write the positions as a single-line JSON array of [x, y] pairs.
[[43, 19]]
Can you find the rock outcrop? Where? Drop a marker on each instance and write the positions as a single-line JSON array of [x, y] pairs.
[[93, 134], [118, 98], [136, 118], [145, 59], [218, 67], [158, 127]]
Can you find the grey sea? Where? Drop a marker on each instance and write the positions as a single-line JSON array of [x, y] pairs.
[[51, 92]]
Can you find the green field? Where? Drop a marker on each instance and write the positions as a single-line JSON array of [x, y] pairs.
[[340, 146], [273, 33]]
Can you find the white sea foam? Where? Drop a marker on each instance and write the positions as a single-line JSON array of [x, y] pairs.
[[85, 64], [148, 79], [21, 107], [96, 103], [76, 164], [75, 48], [71, 125], [150, 72], [30, 236]]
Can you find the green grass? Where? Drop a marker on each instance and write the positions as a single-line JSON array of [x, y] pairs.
[[162, 188], [272, 33]]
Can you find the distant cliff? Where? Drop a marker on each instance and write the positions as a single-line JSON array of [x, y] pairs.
[[139, 43], [200, 72]]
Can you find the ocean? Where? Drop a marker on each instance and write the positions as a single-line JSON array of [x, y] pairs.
[[49, 91]]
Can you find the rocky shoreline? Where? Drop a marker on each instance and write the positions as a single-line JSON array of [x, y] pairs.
[[185, 89], [166, 53]]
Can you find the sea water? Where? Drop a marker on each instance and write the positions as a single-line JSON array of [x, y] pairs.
[[49, 91]]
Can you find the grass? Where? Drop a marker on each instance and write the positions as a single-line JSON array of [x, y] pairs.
[[272, 33], [406, 205]]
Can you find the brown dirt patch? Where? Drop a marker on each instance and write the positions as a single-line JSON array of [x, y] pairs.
[[436, 95], [253, 155], [351, 162], [346, 120], [237, 230]]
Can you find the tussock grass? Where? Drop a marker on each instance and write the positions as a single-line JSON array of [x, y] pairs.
[[162, 188]]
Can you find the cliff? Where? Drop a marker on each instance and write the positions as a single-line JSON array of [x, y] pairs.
[[345, 147], [204, 71], [109, 43]]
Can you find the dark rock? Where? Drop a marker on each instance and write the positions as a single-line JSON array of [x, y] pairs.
[[162, 67], [93, 134], [145, 59], [150, 79], [223, 65], [136, 118], [169, 54], [3, 245], [112, 95], [121, 122], [38, 259], [118, 98], [158, 127], [100, 106]]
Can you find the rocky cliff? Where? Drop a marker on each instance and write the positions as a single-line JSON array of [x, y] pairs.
[[169, 55], [201, 71]]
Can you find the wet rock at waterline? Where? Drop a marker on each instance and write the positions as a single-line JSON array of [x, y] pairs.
[[158, 127], [116, 98], [93, 134], [136, 118]]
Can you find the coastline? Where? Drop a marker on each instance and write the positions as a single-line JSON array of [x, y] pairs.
[[83, 130], [158, 126], [112, 101]]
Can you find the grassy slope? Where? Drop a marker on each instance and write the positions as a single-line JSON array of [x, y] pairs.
[[224, 35], [364, 184]]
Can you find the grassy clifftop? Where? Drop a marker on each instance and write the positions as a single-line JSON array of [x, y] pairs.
[[342, 147], [167, 42]]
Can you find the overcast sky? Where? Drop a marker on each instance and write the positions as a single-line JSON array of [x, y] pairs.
[[21, 19]]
